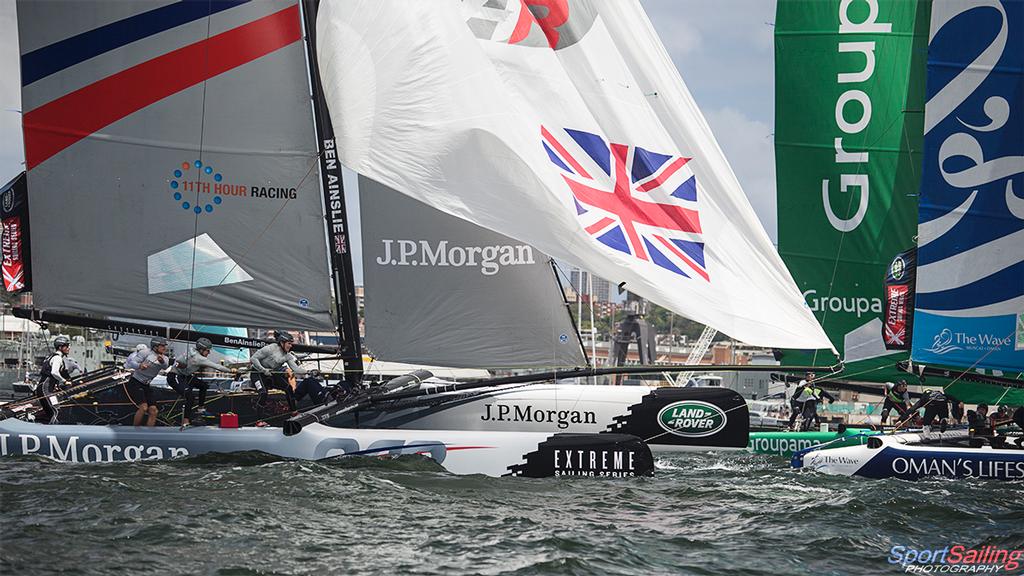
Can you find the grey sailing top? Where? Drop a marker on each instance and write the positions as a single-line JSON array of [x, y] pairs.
[[153, 366], [192, 362], [271, 358], [72, 365], [135, 358]]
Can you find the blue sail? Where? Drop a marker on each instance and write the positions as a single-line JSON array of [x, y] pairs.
[[970, 283]]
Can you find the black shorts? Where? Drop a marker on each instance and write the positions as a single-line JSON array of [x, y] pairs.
[[140, 393], [890, 405], [935, 410]]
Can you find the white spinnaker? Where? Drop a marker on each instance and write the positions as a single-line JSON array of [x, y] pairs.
[[429, 109]]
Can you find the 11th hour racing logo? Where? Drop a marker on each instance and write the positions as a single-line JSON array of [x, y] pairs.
[[201, 189]]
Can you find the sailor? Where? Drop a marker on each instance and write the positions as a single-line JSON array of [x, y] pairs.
[[936, 403], [979, 424], [137, 357], [139, 384], [812, 395], [274, 366], [53, 376], [73, 367], [183, 377], [896, 397], [796, 408], [313, 386], [1002, 414]]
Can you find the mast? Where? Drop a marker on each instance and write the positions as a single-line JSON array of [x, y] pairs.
[[336, 219]]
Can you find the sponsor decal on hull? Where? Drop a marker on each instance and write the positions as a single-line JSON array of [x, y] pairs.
[[517, 413], [692, 418], [588, 455], [958, 468], [779, 446], [915, 465], [608, 463], [72, 449]]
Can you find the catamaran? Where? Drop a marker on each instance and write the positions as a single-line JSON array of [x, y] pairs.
[[198, 137], [968, 327]]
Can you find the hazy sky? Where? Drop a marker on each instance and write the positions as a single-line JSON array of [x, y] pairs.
[[723, 49]]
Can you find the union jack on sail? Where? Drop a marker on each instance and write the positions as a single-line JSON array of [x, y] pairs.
[[633, 200]]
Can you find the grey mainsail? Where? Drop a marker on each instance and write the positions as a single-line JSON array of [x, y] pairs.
[[440, 290], [172, 162]]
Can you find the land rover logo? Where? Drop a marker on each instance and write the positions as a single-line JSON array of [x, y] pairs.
[[692, 419], [899, 266], [8, 200]]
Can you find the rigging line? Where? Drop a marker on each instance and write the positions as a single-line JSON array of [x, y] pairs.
[[590, 303], [861, 166], [252, 244], [576, 323], [954, 381], [199, 174], [875, 369], [316, 160]]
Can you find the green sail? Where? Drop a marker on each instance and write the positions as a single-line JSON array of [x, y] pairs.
[[849, 105]]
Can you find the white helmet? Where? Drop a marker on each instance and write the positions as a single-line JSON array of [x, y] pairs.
[[141, 347]]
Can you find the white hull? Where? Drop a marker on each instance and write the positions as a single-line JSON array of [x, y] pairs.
[[551, 408], [460, 452], [898, 456]]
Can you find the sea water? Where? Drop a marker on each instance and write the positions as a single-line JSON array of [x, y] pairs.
[[700, 514]]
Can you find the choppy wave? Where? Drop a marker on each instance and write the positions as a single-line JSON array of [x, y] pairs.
[[701, 514]]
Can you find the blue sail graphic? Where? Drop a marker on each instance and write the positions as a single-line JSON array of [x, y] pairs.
[[970, 283]]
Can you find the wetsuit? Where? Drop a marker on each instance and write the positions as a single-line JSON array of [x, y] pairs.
[[184, 377], [894, 401], [812, 395], [139, 388], [268, 365], [53, 375]]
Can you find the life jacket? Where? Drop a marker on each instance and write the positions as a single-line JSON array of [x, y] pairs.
[[811, 392], [894, 396], [44, 370], [936, 396]]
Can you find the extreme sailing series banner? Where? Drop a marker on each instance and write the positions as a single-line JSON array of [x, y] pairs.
[[849, 111]]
